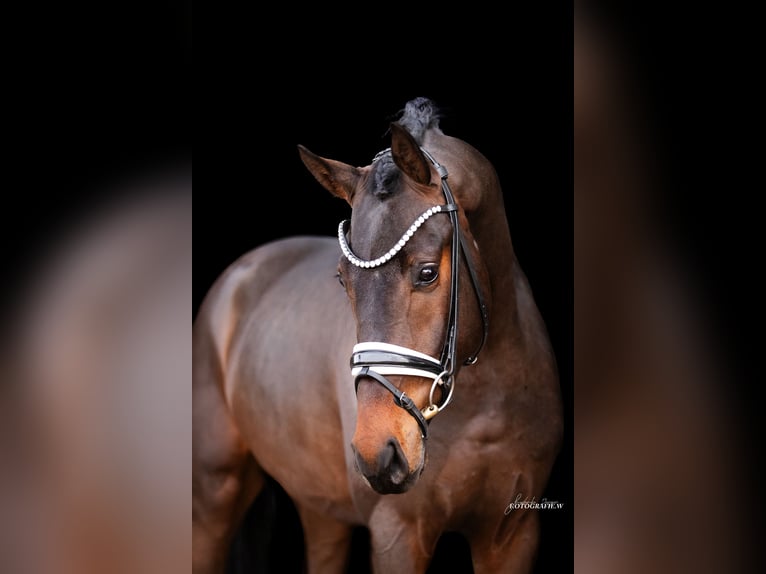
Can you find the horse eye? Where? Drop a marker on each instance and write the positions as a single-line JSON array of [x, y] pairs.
[[428, 274], [340, 279]]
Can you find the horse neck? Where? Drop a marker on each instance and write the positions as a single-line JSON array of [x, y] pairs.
[[474, 181], [489, 227]]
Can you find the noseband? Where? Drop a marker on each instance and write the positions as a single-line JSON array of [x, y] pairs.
[[376, 359]]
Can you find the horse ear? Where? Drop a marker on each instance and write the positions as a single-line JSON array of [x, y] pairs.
[[337, 177], [407, 155]]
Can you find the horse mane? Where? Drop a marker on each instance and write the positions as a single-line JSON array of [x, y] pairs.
[[418, 116]]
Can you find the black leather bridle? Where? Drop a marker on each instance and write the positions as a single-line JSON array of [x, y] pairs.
[[377, 359]]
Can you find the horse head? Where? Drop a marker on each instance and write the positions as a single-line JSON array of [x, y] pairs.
[[410, 268]]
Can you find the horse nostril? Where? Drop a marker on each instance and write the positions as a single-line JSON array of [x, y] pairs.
[[388, 471], [391, 461], [386, 456]]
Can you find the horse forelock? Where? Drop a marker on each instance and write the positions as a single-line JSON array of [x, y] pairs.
[[385, 210], [385, 178]]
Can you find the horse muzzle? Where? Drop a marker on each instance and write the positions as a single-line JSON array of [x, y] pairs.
[[388, 471]]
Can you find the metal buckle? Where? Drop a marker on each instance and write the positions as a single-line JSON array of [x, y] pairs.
[[433, 409]]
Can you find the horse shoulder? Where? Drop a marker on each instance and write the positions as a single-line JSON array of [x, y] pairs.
[[238, 289]]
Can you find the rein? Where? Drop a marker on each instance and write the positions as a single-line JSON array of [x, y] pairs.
[[376, 359]]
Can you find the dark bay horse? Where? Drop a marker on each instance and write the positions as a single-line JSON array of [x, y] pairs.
[[398, 377]]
